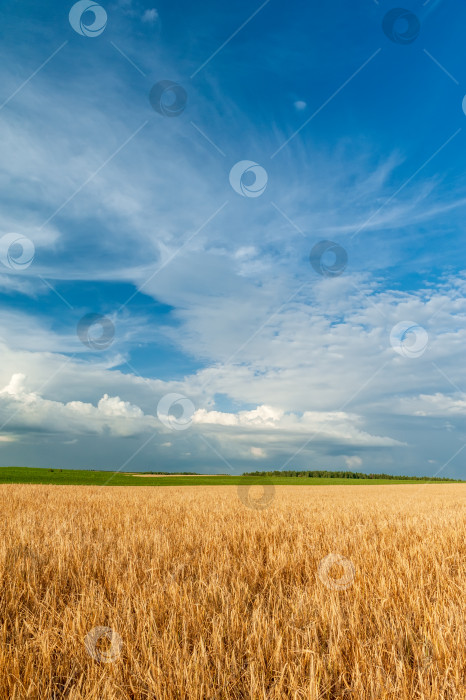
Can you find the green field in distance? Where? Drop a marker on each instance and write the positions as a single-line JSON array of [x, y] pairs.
[[27, 475]]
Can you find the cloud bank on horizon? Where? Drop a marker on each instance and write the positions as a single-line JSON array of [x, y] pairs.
[[233, 238]]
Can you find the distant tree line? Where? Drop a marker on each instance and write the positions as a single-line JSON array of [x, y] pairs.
[[346, 475]]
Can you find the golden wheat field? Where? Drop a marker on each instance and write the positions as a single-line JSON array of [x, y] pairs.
[[186, 592]]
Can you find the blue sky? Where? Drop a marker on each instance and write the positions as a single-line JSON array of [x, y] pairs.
[[208, 297]]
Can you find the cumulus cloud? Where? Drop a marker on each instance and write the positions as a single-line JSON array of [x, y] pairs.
[[293, 376], [29, 410], [26, 410], [336, 426]]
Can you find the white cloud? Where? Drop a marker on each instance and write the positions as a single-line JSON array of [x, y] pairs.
[[150, 16], [437, 404], [353, 462], [27, 410], [258, 452], [121, 418], [294, 373], [337, 426]]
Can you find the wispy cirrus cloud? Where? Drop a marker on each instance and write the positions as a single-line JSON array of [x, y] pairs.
[[118, 198]]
